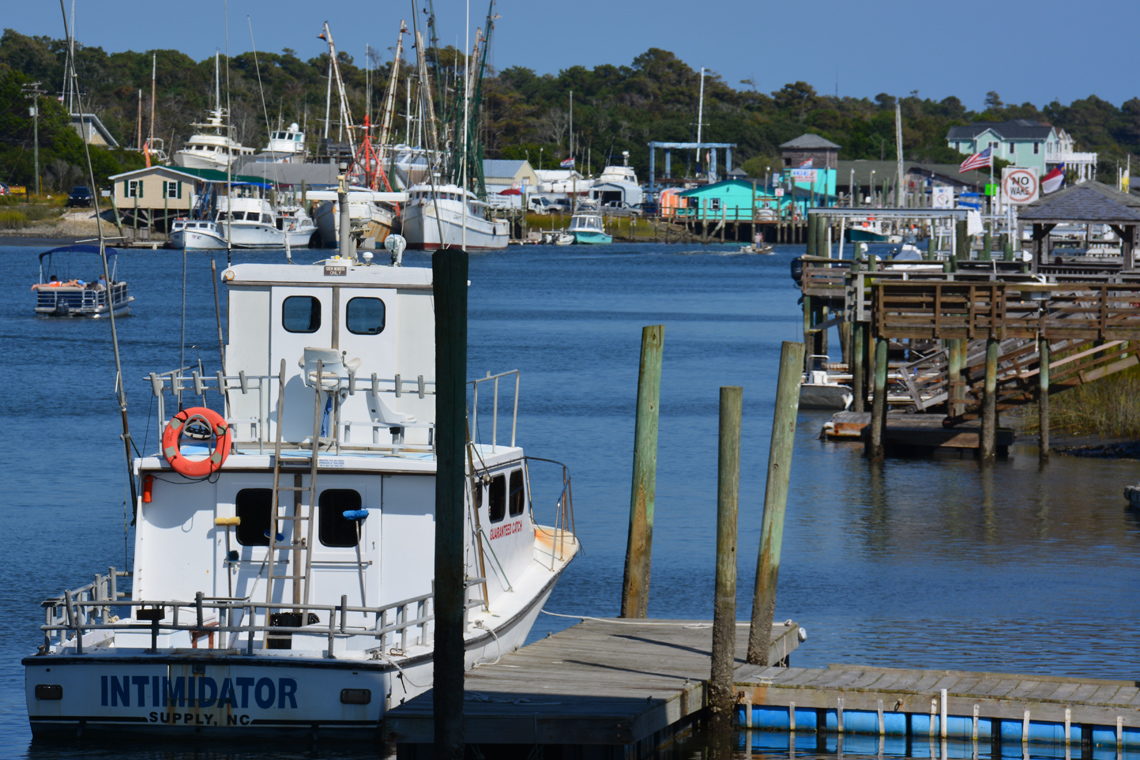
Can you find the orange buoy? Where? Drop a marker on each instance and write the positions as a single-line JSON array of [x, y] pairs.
[[172, 438]]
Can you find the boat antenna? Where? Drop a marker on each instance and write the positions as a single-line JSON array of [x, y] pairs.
[[120, 389]]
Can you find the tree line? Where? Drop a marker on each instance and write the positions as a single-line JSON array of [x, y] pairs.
[[525, 114]]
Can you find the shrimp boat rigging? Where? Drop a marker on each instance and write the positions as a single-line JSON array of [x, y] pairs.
[[284, 548]]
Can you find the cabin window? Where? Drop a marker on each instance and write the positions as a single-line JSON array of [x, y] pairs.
[[477, 493], [364, 316], [333, 528], [301, 314], [517, 498], [253, 506], [497, 493], [134, 188], [1036, 148], [171, 189]]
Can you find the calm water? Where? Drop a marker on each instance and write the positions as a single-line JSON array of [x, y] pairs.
[[936, 564]]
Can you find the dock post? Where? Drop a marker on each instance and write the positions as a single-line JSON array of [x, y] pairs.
[[858, 356], [875, 449], [809, 333], [987, 244], [721, 694], [954, 376], [639, 545], [1044, 357], [775, 502], [961, 242], [449, 277], [989, 402]]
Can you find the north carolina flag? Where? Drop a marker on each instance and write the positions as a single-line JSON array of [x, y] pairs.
[[806, 164], [1053, 181], [977, 161], [567, 163]]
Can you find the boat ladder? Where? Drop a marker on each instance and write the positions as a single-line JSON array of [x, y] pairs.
[[291, 523]]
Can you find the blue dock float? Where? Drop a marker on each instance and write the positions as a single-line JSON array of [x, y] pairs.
[[941, 705]]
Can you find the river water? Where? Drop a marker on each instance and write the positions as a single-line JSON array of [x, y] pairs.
[[912, 563]]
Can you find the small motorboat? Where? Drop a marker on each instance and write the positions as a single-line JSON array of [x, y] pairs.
[[761, 248], [823, 388]]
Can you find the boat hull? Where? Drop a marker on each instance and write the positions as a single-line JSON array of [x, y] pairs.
[[825, 396], [238, 693], [592, 238], [425, 231], [202, 240]]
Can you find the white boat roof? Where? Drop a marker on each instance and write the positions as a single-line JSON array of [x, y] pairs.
[[335, 270]]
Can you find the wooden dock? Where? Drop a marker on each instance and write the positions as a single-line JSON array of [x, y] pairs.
[[614, 688], [623, 688], [908, 434]]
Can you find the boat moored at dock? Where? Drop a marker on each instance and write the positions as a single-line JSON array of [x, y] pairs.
[[284, 546]]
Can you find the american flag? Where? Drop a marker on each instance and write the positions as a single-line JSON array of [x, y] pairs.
[[977, 161]]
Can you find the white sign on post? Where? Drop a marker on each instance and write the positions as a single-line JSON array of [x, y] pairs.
[[942, 196], [1020, 186]]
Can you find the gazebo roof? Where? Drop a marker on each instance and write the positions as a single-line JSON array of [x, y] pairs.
[[1086, 202], [809, 141]]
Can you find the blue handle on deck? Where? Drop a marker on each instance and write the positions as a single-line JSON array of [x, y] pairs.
[[355, 514]]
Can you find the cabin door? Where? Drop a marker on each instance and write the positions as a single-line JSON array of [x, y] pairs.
[[301, 318]]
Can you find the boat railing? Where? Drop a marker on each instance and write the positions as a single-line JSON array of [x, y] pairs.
[[185, 386], [562, 527], [235, 623], [487, 399]]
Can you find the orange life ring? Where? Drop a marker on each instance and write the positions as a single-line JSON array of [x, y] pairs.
[[172, 436]]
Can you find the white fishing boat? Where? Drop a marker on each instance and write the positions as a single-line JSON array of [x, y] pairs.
[[285, 146], [213, 146], [447, 216], [371, 216], [284, 545], [196, 234], [250, 221], [71, 283]]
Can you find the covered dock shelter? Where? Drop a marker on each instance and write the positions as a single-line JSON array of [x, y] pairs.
[[1083, 206]]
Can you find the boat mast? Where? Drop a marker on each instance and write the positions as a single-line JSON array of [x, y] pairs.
[[701, 117], [150, 132], [899, 194]]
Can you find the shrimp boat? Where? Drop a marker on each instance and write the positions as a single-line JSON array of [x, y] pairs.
[[283, 568]]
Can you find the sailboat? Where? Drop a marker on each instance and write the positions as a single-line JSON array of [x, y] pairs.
[[213, 147]]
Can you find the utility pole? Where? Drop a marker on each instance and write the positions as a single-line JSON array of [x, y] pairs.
[[32, 92]]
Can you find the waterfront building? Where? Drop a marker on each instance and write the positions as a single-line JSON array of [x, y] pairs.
[[1025, 143]]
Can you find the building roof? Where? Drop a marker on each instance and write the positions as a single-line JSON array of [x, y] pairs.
[[311, 174], [947, 173], [1017, 129], [503, 167], [1086, 202], [809, 141], [750, 185], [206, 175]]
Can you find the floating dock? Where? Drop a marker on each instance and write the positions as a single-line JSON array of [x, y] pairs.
[[609, 688], [907, 434], [623, 688], [942, 704]]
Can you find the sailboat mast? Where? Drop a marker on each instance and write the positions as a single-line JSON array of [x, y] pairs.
[[899, 192]]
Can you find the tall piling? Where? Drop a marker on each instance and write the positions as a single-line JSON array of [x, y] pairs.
[[858, 368], [775, 502], [989, 403], [639, 544], [449, 283], [1044, 357], [721, 695], [875, 449]]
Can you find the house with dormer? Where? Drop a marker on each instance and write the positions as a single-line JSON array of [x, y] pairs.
[[1026, 143]]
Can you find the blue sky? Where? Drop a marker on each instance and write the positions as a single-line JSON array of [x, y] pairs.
[[1026, 50]]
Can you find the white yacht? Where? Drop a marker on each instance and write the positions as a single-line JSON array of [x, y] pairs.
[[284, 531], [447, 216], [285, 145], [245, 221], [213, 146]]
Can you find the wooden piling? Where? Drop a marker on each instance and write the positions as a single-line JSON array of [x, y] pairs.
[[639, 545], [775, 501], [1044, 356], [449, 278], [961, 241], [809, 332], [858, 365], [954, 386], [988, 446], [875, 450], [721, 694]]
